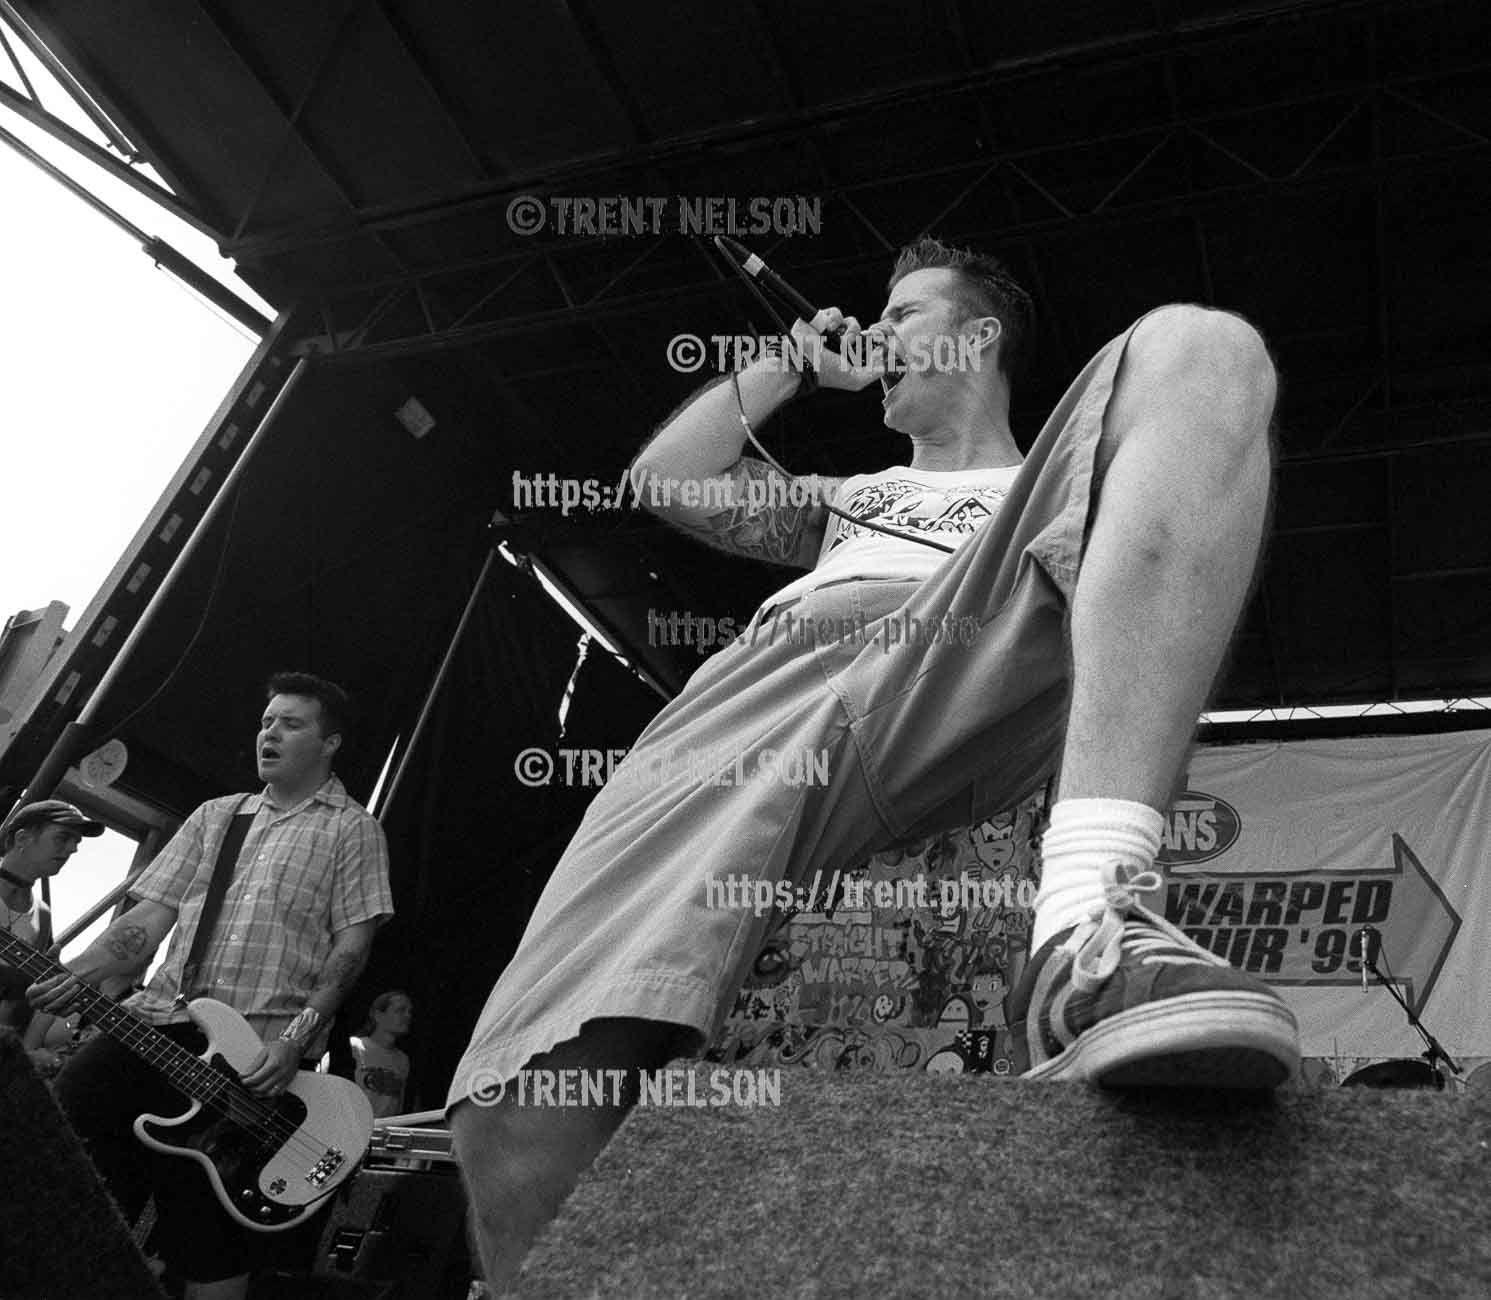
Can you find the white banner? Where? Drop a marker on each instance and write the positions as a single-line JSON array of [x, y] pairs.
[[1278, 855]]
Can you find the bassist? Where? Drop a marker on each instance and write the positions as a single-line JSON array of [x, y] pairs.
[[308, 888]]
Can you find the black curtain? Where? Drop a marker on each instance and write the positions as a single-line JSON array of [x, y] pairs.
[[471, 846]]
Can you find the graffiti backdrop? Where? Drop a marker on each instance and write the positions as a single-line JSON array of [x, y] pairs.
[[1283, 858]]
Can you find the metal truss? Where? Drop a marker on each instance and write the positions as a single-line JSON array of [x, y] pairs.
[[395, 316], [124, 162], [419, 309], [788, 125], [105, 627]]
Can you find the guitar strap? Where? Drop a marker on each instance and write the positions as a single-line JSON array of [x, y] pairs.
[[217, 888]]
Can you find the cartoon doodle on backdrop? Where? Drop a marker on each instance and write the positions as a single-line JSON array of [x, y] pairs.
[[946, 1060], [770, 988], [766, 1004], [994, 843], [977, 1046], [843, 966], [830, 981], [773, 964], [958, 1013], [936, 961], [831, 1048], [764, 1043], [988, 991], [973, 1051], [947, 963]]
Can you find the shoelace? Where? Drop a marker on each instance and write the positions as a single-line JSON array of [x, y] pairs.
[[1101, 938]]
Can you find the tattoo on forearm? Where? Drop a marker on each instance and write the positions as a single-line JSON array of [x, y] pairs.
[[779, 534], [126, 942], [341, 973]]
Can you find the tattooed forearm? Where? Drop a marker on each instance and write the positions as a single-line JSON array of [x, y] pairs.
[[124, 941], [758, 524], [338, 977]]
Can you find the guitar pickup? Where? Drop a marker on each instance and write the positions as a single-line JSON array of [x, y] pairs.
[[325, 1167]]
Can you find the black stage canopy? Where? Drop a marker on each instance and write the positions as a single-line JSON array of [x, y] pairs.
[[1321, 166]]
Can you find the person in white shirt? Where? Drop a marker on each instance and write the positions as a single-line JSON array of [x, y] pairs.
[[1101, 573], [382, 1069]]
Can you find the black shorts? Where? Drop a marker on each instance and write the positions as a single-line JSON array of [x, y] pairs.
[[101, 1090]]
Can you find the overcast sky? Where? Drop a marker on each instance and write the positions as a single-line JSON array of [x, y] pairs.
[[110, 369]]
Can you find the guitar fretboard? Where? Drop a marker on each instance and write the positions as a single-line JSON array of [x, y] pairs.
[[191, 1075]]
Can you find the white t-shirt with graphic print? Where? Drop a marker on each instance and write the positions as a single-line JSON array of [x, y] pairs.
[[946, 505]]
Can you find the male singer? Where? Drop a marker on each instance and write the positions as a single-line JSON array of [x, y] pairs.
[[1104, 571]]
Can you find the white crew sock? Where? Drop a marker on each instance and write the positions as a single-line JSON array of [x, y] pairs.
[[1085, 835]]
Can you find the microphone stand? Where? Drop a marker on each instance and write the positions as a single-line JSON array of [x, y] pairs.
[[1435, 1052]]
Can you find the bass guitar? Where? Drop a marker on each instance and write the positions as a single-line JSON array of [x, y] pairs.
[[270, 1160]]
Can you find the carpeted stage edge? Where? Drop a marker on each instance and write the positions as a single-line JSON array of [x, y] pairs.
[[61, 1236], [868, 1185]]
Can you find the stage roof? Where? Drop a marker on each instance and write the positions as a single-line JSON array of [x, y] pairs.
[[1319, 166]]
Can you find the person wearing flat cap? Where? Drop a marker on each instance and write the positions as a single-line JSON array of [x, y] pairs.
[[36, 841]]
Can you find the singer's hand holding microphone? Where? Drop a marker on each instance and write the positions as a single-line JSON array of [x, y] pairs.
[[822, 335], [857, 357]]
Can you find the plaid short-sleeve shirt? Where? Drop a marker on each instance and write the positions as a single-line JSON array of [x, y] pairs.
[[303, 874]]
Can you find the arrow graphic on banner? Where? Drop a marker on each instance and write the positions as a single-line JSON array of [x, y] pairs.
[[1301, 928]]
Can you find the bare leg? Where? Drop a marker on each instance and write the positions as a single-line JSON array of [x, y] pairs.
[[1171, 552], [521, 1162], [1170, 556]]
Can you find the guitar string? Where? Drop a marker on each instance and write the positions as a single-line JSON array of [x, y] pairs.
[[262, 1118], [218, 1091], [224, 1094]]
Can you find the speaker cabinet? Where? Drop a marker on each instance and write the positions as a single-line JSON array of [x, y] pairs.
[[400, 1226], [62, 1233]]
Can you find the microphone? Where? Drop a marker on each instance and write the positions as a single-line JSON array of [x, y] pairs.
[[754, 267]]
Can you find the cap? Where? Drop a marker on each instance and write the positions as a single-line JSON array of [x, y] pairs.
[[58, 812]]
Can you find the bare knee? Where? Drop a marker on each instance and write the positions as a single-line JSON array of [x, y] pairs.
[[1213, 359]]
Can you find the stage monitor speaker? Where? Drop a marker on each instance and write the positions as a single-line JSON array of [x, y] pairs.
[[63, 1234], [401, 1226]]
